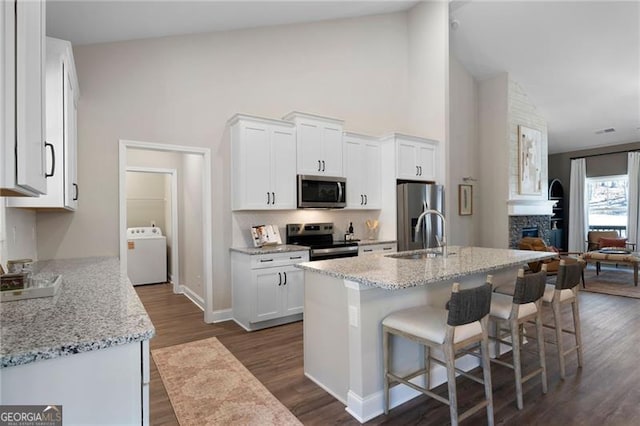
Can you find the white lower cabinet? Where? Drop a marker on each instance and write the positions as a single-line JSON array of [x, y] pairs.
[[267, 289], [377, 248], [106, 386]]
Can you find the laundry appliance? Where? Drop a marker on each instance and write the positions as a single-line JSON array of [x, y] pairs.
[[146, 255]]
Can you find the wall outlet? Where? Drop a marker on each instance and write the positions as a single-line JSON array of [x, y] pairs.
[[153, 223]]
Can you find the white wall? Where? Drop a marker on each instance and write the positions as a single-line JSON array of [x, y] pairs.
[[146, 200], [463, 151], [181, 90], [19, 235], [190, 224], [494, 157]]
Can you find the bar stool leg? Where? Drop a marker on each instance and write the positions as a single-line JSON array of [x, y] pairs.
[[576, 325], [541, 355], [517, 368], [427, 367], [486, 371], [385, 356], [496, 334], [450, 361], [557, 317]]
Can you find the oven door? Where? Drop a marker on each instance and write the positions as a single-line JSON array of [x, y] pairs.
[[322, 192]]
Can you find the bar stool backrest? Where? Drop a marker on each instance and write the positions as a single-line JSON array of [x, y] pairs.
[[569, 275], [530, 287], [470, 305]]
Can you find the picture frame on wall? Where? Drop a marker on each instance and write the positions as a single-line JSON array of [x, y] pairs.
[[465, 200], [529, 161]]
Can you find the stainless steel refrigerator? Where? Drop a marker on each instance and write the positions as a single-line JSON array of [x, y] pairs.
[[413, 198]]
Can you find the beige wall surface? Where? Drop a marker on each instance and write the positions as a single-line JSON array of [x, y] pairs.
[[181, 90], [146, 200]]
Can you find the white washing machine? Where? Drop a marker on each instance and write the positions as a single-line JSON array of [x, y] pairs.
[[146, 255]]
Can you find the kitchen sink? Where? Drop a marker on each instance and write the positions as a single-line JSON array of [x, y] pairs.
[[430, 254]]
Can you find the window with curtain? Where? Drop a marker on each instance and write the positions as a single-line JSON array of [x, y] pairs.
[[607, 203]]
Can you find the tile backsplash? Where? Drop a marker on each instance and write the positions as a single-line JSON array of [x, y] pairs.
[[243, 221]]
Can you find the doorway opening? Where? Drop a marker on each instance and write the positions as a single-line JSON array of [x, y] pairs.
[[190, 168]]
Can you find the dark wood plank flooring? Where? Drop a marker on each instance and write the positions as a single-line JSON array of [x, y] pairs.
[[604, 392]]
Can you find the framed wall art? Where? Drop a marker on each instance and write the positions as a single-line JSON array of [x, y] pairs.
[[465, 200], [529, 161]]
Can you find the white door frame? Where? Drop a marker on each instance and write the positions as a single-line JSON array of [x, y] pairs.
[[207, 243], [175, 252]]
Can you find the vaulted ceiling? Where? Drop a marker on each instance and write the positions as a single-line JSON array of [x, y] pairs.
[[579, 62]]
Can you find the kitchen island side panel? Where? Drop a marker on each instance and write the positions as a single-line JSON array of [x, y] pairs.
[[326, 333]]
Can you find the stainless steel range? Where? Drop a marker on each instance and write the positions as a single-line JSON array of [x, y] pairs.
[[319, 238]]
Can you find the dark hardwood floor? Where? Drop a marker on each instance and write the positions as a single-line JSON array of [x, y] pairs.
[[604, 392]]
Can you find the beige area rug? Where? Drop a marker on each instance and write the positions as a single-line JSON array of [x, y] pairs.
[[612, 280], [207, 385]]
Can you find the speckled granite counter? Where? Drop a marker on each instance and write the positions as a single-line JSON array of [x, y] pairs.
[[393, 273], [281, 248], [95, 308]]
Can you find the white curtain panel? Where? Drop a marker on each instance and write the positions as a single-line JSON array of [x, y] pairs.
[[633, 221], [578, 206]]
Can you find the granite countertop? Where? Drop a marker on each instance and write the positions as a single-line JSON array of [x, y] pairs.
[[95, 308], [280, 248], [392, 273]]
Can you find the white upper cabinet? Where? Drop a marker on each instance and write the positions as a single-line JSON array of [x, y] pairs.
[[319, 144], [263, 163], [417, 158], [362, 165], [61, 131], [22, 97]]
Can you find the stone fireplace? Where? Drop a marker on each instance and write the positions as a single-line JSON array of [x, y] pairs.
[[520, 224]]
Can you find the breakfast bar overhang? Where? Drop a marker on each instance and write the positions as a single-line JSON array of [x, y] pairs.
[[346, 300]]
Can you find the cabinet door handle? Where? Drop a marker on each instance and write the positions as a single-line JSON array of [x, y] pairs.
[[273, 198], [417, 171], [367, 250], [366, 200], [361, 199], [75, 185], [420, 167], [295, 257], [285, 278], [323, 165], [266, 260], [319, 165], [53, 160], [268, 198], [280, 277], [387, 248]]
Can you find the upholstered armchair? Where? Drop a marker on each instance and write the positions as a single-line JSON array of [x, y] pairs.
[[538, 244], [597, 240]]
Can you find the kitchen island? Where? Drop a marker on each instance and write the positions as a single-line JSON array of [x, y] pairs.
[[86, 348], [346, 300]]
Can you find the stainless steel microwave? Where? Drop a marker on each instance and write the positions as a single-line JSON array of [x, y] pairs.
[[322, 192]]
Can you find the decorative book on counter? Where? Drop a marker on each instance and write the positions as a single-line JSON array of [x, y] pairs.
[[264, 235]]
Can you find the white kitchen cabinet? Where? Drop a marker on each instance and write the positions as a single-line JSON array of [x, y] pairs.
[[319, 144], [263, 156], [61, 112], [113, 382], [377, 248], [362, 165], [267, 289], [417, 159], [22, 97]]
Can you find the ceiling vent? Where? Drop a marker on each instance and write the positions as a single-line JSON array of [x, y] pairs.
[[609, 130]]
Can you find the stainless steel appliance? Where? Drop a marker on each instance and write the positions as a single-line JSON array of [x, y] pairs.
[[319, 238], [322, 192], [413, 199]]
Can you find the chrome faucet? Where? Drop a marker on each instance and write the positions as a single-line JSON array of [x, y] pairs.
[[442, 243]]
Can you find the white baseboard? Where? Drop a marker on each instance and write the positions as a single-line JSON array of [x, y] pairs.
[[191, 295], [326, 389], [371, 406], [222, 315]]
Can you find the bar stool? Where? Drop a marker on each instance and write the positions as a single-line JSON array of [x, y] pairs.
[[565, 291], [463, 325], [525, 305]]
